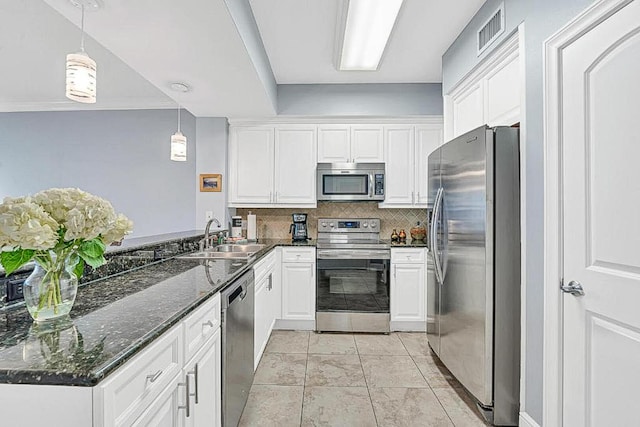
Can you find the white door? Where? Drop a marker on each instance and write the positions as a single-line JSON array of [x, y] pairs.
[[261, 314], [298, 291], [408, 292], [399, 161], [334, 144], [366, 144], [600, 99], [468, 110], [251, 165], [205, 382], [295, 165], [428, 138], [167, 410]]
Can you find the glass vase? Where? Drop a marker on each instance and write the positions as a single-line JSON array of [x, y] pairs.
[[50, 291]]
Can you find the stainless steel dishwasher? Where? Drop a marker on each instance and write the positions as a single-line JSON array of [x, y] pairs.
[[237, 347]]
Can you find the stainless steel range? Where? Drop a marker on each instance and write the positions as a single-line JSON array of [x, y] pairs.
[[352, 276]]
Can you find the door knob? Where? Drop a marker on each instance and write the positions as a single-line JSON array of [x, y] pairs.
[[574, 288]]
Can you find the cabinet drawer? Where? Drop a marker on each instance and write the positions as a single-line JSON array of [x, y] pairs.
[[201, 325], [406, 255], [264, 266], [136, 384], [298, 255]]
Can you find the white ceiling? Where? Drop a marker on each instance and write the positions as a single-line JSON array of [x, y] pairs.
[[34, 42], [142, 46], [300, 37]]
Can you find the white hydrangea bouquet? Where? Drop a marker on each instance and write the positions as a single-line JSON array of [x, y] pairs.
[[62, 230]]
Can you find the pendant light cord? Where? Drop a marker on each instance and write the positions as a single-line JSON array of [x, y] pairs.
[[178, 117], [82, 30]]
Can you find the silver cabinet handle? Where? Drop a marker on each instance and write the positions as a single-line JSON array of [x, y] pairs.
[[574, 288], [186, 406], [418, 198], [270, 196], [153, 377], [276, 197], [208, 323], [395, 270], [413, 198], [270, 285], [195, 376]]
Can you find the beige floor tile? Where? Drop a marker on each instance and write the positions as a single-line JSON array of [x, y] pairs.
[[408, 407], [288, 342], [391, 371], [281, 369], [273, 406], [332, 344], [337, 406], [415, 342], [335, 370], [459, 406], [435, 372], [380, 344]]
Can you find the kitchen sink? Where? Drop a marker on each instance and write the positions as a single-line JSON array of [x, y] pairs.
[[226, 252]]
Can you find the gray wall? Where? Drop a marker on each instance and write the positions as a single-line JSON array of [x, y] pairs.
[[211, 148], [122, 156], [360, 99], [542, 18]]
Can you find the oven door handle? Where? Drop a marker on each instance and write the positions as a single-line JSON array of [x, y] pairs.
[[353, 254]]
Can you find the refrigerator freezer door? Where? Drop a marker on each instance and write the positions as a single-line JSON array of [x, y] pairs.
[[466, 295], [433, 286]]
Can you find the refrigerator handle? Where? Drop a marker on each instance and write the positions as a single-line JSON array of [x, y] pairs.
[[434, 233]]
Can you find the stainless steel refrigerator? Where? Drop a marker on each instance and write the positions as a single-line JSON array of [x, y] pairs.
[[473, 287]]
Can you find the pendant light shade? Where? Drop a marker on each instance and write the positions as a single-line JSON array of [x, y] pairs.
[[81, 78], [178, 144], [81, 69]]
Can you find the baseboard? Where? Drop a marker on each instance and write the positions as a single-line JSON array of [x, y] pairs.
[[527, 421], [296, 325], [420, 326]]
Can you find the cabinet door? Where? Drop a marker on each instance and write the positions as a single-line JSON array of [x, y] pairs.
[[468, 110], [298, 291], [334, 144], [503, 94], [367, 144], [295, 165], [399, 159], [408, 292], [165, 410], [262, 314], [251, 157], [205, 384], [428, 138]]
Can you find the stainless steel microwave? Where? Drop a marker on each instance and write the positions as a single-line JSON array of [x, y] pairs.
[[350, 182]]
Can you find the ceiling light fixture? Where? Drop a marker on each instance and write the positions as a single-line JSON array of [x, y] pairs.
[[81, 69], [178, 144], [367, 29]]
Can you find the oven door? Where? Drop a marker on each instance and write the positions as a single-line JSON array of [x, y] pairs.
[[352, 290]]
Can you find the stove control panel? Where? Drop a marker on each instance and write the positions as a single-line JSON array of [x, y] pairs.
[[348, 225]]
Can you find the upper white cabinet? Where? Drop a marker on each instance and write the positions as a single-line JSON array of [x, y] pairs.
[[272, 166], [490, 95], [251, 163], [406, 149], [350, 143]]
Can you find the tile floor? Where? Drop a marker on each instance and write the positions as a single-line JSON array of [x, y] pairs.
[[310, 379]]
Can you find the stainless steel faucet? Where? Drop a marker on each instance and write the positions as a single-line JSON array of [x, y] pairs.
[[205, 243]]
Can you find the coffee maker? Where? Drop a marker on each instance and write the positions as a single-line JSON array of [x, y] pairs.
[[298, 229]]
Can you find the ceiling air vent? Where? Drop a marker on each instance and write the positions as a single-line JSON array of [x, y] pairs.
[[491, 30]]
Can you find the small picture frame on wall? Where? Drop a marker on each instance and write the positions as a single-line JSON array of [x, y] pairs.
[[210, 182]]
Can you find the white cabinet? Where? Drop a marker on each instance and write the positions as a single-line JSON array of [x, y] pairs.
[[408, 289], [204, 378], [406, 149], [272, 166], [165, 410], [298, 287], [295, 165], [251, 164], [267, 306], [350, 143]]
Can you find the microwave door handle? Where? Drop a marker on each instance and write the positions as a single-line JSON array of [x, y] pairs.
[[371, 186]]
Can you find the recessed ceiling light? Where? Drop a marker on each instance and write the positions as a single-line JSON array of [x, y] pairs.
[[367, 29], [180, 87]]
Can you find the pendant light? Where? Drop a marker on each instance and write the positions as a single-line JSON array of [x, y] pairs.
[[178, 144], [81, 71]]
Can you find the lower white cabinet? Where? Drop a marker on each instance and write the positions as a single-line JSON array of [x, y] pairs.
[[299, 287], [408, 289], [267, 302], [164, 411]]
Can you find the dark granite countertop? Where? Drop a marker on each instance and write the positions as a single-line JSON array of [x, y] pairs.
[[409, 244], [112, 320]]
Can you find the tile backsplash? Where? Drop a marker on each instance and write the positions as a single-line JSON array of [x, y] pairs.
[[274, 223]]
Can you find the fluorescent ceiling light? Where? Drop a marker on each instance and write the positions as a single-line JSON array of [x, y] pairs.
[[367, 30]]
